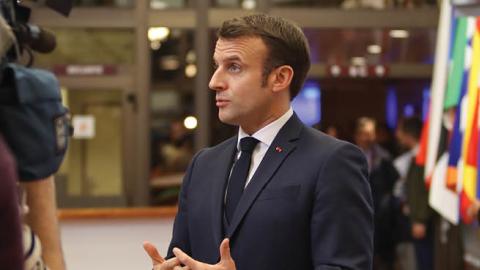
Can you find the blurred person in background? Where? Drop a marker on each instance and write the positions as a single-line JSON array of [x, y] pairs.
[[385, 137], [172, 153], [420, 213], [11, 249], [408, 136], [382, 179], [332, 130]]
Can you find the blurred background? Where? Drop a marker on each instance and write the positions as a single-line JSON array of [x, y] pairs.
[[135, 77]]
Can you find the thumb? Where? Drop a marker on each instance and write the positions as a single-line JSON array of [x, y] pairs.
[[185, 259], [225, 251], [152, 251]]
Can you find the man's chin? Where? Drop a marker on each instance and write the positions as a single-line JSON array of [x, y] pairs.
[[227, 120]]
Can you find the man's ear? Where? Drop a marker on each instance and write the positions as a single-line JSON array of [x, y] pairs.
[[282, 78]]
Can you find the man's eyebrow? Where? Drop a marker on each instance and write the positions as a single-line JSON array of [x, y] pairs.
[[233, 58], [230, 58]]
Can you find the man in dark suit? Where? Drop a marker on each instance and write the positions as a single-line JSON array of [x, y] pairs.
[[285, 195]]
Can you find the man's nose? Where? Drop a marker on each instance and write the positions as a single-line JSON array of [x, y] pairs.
[[216, 82]]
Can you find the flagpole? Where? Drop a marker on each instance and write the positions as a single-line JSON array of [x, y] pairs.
[[439, 82]]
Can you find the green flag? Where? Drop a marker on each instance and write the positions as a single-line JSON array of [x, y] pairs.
[[455, 75]]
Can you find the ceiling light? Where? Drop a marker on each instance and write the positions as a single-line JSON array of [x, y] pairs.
[[158, 33], [249, 4], [399, 33], [155, 45], [374, 49], [191, 57], [335, 70], [380, 71], [190, 70], [190, 122], [169, 62], [158, 5], [358, 61]]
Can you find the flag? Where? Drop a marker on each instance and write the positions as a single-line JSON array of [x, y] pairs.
[[443, 200], [439, 83], [470, 143], [422, 149], [457, 66], [455, 146]]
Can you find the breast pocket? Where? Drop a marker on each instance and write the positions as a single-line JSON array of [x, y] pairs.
[[286, 192]]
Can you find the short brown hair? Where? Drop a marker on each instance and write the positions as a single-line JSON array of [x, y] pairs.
[[412, 126], [362, 122], [285, 41]]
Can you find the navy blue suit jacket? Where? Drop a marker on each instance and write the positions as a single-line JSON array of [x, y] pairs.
[[308, 206]]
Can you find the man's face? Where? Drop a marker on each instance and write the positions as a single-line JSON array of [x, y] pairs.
[[240, 96], [365, 137], [401, 137]]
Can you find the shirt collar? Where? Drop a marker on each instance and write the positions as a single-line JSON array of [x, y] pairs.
[[268, 133]]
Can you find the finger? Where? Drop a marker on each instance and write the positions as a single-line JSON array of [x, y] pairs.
[[185, 259], [153, 253], [171, 263], [225, 250]]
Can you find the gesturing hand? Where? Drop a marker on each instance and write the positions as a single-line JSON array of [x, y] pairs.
[[226, 261], [159, 263]]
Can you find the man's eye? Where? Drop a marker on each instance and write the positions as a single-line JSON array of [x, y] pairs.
[[234, 68]]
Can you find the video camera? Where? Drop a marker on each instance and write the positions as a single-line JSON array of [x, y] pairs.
[[33, 120], [17, 15]]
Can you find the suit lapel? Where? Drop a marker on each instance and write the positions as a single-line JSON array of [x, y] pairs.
[[219, 178], [283, 144]]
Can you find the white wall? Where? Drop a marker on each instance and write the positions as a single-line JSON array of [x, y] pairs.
[[113, 243]]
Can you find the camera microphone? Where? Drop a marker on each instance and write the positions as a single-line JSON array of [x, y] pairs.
[[37, 38]]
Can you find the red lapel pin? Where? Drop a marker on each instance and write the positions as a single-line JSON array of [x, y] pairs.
[[278, 149]]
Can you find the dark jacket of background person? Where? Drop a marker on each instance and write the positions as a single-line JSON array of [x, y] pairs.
[[420, 213], [11, 251], [417, 195], [382, 178]]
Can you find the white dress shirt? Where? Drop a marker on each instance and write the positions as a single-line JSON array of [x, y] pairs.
[[402, 164], [265, 135]]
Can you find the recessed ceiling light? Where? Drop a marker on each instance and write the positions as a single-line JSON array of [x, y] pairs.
[[191, 70], [399, 33], [158, 33], [358, 61], [190, 122], [374, 49], [249, 4]]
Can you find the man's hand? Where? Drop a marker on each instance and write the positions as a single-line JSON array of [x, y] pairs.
[[226, 261], [419, 230], [159, 263]]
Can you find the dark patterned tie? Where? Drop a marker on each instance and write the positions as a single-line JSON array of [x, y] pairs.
[[236, 185]]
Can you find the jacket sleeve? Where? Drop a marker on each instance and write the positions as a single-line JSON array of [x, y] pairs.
[[342, 217], [180, 237], [417, 195]]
